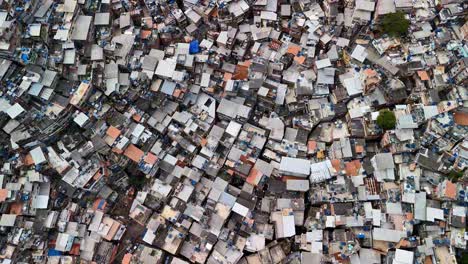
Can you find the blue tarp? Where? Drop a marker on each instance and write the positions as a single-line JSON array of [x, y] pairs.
[[101, 204], [194, 47], [53, 252], [25, 58]]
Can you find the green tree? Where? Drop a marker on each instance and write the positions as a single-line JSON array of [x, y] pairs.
[[454, 176], [395, 24], [386, 119], [137, 181]]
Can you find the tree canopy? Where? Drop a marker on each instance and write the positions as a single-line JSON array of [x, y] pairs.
[[455, 175], [137, 181], [386, 119], [395, 24]]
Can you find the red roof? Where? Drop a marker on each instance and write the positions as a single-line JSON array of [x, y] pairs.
[[150, 158], [423, 75], [113, 132], [461, 118], [134, 153]]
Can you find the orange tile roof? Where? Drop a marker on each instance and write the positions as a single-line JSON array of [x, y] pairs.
[[352, 167], [311, 145], [299, 59], [241, 72], [423, 75], [203, 141], [450, 189], [113, 132], [134, 153], [294, 49], [145, 34], [127, 258], [177, 93], [461, 118], [150, 158], [3, 195], [136, 117], [370, 72], [244, 158], [409, 216], [336, 163], [254, 176], [227, 76]]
